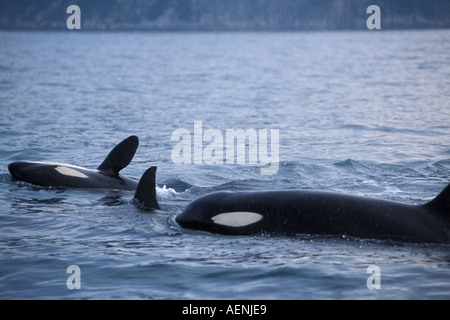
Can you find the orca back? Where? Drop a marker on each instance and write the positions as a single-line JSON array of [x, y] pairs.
[[441, 203]]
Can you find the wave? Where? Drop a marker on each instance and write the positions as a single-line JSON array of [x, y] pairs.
[[166, 192]]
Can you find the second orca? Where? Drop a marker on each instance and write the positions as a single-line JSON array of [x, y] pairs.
[[319, 213], [65, 175]]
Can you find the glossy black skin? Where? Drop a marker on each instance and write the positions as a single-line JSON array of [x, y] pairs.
[[45, 174], [105, 176], [323, 213]]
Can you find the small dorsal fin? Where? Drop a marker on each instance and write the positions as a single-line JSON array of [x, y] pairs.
[[120, 156], [146, 190], [441, 203]]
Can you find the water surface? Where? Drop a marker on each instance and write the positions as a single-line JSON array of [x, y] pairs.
[[365, 113]]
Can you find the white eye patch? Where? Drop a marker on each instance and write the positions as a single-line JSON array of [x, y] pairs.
[[237, 219], [71, 172]]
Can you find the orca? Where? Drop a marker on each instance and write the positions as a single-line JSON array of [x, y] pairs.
[[145, 195], [54, 174], [319, 213]]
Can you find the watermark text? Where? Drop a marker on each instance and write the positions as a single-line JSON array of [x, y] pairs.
[[374, 21], [74, 20], [74, 280], [374, 280], [213, 147]]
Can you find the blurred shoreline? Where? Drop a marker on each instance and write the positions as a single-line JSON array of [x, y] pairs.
[[223, 15]]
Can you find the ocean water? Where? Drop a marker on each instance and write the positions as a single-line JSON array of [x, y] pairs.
[[364, 113]]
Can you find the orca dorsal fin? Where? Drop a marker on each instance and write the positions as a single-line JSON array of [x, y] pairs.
[[120, 156], [441, 203], [146, 190]]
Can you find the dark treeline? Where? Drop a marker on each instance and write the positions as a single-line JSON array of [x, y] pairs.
[[224, 14]]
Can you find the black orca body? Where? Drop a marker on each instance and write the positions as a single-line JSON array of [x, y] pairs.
[[323, 213], [145, 195], [64, 175]]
